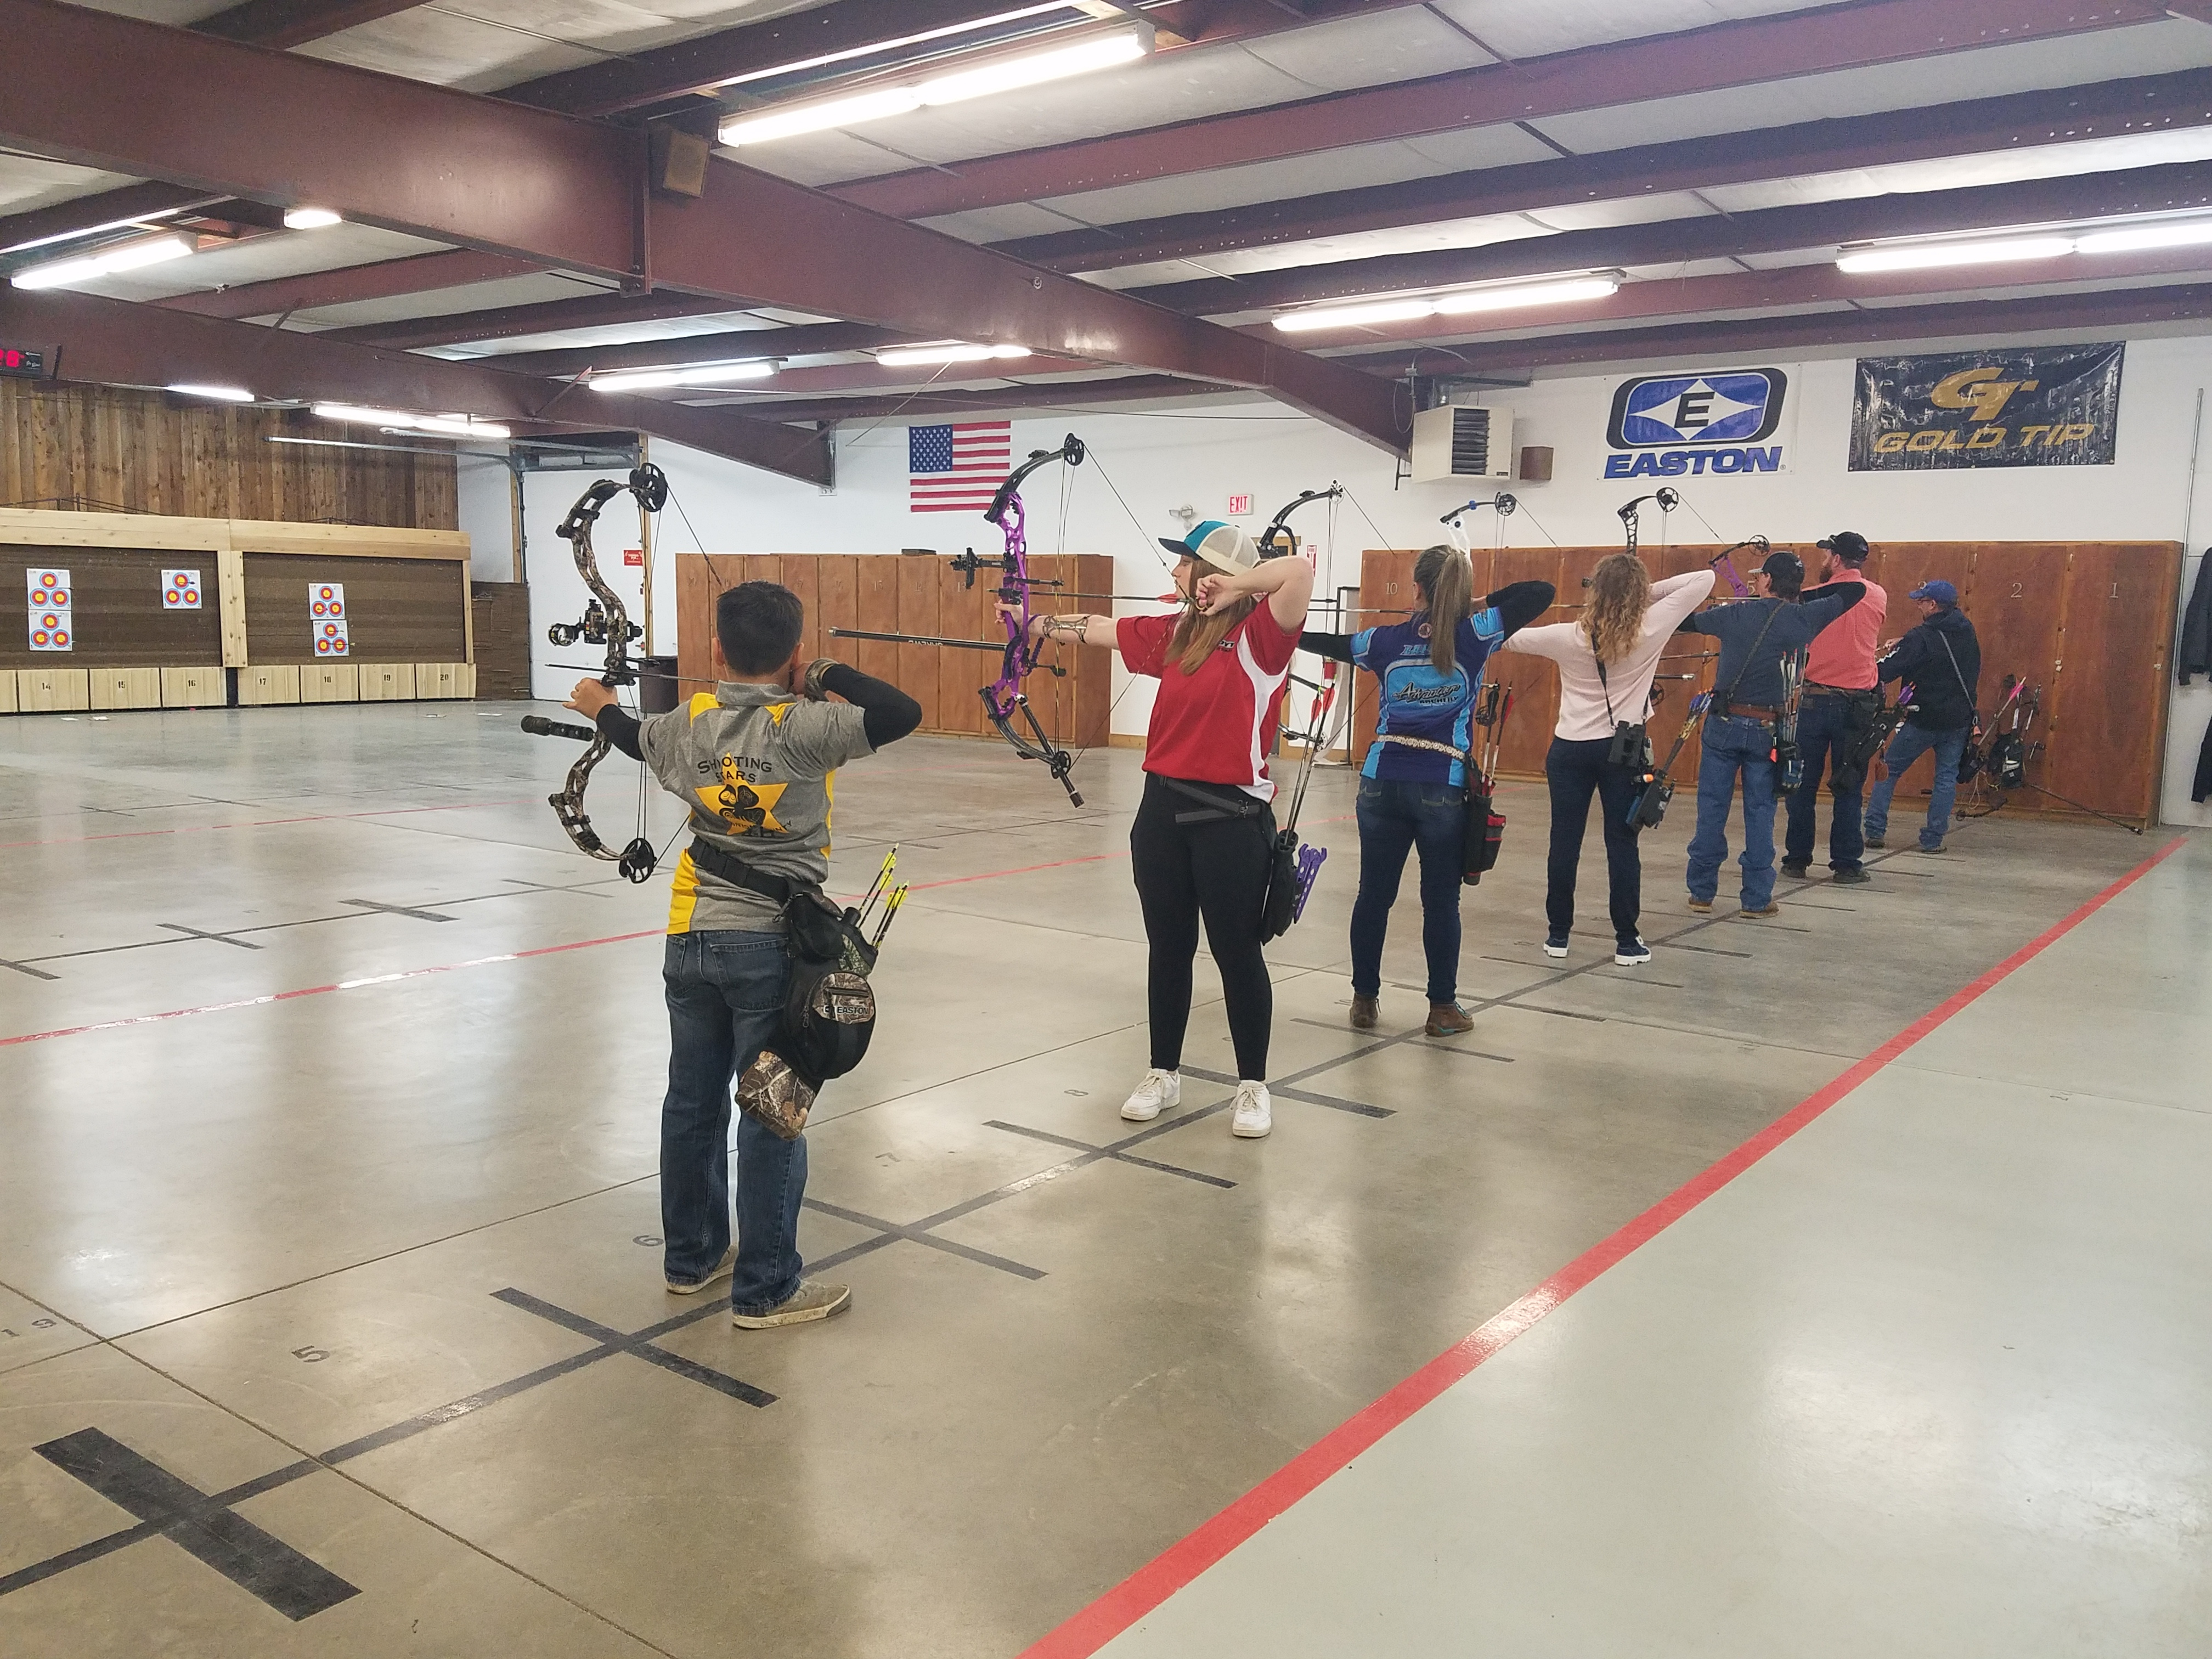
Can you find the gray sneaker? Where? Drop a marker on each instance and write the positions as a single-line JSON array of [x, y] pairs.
[[1853, 877], [720, 1270], [812, 1300]]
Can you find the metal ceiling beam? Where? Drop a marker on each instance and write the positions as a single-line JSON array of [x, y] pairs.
[[115, 343], [724, 346], [2181, 187], [386, 279], [663, 73], [1702, 342], [108, 91], [1856, 35], [1796, 287], [84, 214], [2164, 103], [1131, 388], [543, 316], [281, 24]]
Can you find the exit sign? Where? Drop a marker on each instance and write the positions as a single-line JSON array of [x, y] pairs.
[[1240, 506], [28, 362]]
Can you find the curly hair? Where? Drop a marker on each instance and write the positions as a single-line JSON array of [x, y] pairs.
[[1621, 593]]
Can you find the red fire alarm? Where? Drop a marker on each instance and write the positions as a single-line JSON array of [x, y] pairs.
[[633, 557]]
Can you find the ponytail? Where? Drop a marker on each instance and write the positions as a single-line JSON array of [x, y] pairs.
[[1446, 579]]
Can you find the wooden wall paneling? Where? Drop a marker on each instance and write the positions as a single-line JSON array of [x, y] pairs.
[[965, 613], [119, 688], [837, 597], [53, 690], [875, 578], [2105, 708], [229, 597], [499, 634], [754, 567], [917, 583], [388, 682], [202, 687], [697, 589], [269, 682], [1534, 680], [1093, 677], [396, 609], [8, 694], [800, 573], [117, 613], [330, 682], [2013, 596], [438, 681], [1386, 596]]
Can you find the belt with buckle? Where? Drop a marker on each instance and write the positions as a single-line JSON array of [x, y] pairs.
[[1744, 711]]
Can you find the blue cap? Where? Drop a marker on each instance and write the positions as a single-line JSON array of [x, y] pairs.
[[1939, 591]]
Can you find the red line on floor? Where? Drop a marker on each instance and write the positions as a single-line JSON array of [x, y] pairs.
[[318, 990], [260, 824], [1161, 1578]]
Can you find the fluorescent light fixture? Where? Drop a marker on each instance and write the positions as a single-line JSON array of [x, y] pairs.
[[651, 380], [875, 47], [131, 256], [452, 425], [2143, 238], [310, 218], [221, 394], [907, 356], [1934, 256], [1123, 46], [1508, 296]]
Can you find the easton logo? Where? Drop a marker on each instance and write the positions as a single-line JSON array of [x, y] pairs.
[[1671, 426]]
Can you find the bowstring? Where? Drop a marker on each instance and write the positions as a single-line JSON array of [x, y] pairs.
[[1129, 683]]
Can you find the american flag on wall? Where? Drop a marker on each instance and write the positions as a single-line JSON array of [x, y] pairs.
[[957, 468]]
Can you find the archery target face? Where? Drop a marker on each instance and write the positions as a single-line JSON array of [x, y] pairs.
[[180, 590], [330, 639], [325, 601], [51, 627]]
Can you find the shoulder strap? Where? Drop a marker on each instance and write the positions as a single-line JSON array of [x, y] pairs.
[[1957, 672], [1744, 667], [1603, 689]]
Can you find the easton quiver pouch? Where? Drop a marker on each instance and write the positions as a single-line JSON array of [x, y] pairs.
[[1484, 837], [829, 1007]]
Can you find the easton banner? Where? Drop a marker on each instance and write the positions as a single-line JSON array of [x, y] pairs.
[[2026, 406], [1687, 426]]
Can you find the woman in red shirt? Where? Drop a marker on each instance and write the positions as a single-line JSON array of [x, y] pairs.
[[1202, 843]]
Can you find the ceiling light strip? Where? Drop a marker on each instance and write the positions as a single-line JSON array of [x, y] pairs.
[[1458, 302]]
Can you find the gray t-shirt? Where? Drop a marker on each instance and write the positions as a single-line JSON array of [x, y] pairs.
[[755, 765]]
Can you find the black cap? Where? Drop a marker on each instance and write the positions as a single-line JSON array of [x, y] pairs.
[[1848, 545], [1784, 566]]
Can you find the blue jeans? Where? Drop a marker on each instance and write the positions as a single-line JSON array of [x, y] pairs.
[[1733, 745], [725, 1000], [1824, 733], [1910, 744], [1395, 816]]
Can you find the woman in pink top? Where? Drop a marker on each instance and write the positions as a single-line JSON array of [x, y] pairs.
[[1607, 661]]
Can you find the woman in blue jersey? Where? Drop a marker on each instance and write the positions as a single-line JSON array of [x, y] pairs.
[[1413, 790]]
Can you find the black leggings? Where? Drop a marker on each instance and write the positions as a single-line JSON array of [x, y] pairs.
[[1577, 768], [1217, 869]]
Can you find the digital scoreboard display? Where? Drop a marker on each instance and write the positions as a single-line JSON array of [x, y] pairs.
[[27, 362]]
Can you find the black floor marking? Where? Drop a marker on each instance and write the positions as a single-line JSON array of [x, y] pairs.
[[398, 911], [1357, 1108], [220, 939], [1631, 977], [1563, 1013], [1808, 904], [1472, 1053], [1108, 1152], [203, 1526], [1712, 950], [918, 1233], [584, 887], [639, 1343], [26, 967]]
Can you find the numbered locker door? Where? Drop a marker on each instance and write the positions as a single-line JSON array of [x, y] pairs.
[[2103, 720]]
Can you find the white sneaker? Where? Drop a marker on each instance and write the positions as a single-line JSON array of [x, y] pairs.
[[1252, 1118], [1155, 1090]]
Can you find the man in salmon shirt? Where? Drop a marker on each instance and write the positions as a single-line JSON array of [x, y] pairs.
[[1842, 695]]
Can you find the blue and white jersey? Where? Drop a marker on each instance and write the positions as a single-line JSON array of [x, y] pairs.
[[1419, 702]]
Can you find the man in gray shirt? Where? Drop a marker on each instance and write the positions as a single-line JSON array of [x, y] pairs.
[[1758, 635], [753, 760]]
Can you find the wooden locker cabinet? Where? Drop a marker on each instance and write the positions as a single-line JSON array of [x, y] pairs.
[[194, 688], [330, 682], [52, 690], [440, 680], [126, 688], [271, 683], [388, 682], [8, 697]]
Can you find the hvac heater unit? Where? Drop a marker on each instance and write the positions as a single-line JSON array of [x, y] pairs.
[[1458, 442]]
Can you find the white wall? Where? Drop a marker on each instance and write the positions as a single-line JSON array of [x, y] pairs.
[[1162, 461]]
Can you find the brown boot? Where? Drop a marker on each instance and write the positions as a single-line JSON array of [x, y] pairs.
[[1448, 1019], [1364, 1013]]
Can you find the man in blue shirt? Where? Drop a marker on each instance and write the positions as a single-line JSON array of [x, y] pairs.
[[1758, 636]]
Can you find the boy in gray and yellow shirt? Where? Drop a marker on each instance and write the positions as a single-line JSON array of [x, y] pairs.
[[754, 761]]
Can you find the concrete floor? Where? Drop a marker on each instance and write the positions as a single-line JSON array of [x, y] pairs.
[[329, 1277]]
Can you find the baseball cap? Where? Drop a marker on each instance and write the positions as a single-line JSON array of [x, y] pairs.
[[1783, 565], [1847, 545], [1941, 592], [1224, 546]]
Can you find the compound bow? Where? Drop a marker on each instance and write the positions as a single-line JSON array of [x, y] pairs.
[[605, 621], [1461, 537], [1004, 699], [1669, 500], [1268, 550]]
